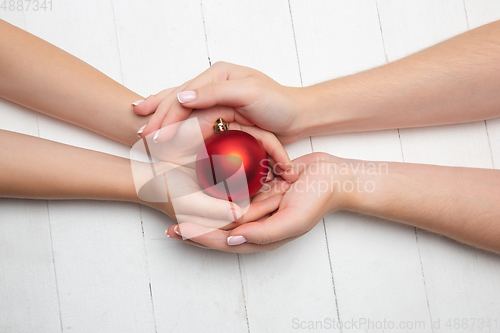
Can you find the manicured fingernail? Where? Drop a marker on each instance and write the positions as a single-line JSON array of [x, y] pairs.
[[176, 230], [156, 136], [236, 240], [166, 234], [186, 96], [137, 102], [140, 130]]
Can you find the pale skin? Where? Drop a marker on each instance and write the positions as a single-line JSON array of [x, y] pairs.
[[455, 81], [42, 77]]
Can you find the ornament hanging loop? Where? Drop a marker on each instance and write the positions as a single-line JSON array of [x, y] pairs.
[[220, 125]]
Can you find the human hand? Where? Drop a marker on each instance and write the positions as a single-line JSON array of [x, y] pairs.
[[171, 184], [182, 147], [253, 98], [304, 203], [176, 192]]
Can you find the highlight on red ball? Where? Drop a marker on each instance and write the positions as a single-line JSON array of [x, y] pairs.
[[207, 177], [234, 159]]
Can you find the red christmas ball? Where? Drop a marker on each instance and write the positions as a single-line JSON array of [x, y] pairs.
[[235, 162]]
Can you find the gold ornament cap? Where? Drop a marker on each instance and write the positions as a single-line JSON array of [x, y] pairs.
[[220, 125]]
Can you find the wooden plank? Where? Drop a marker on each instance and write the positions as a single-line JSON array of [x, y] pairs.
[[16, 118], [457, 294], [247, 32], [99, 253], [162, 44], [427, 22], [101, 266], [493, 127], [375, 263], [293, 282], [453, 145], [194, 290], [28, 291], [480, 13]]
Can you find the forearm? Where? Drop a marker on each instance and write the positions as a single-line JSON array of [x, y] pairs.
[[461, 203], [47, 79], [35, 168], [452, 82]]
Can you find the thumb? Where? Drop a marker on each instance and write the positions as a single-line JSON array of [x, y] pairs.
[[235, 93]]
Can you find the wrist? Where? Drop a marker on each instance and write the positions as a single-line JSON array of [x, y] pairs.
[[355, 184], [358, 102], [115, 179], [371, 180], [302, 102], [331, 177], [139, 186], [330, 108]]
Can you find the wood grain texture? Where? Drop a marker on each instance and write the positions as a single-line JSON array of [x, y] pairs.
[[446, 264], [104, 266], [294, 281], [99, 253], [373, 280], [162, 44], [28, 290], [101, 267]]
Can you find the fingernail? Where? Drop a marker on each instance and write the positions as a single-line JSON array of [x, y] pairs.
[[140, 130], [236, 240], [137, 102], [186, 96], [156, 136], [176, 230]]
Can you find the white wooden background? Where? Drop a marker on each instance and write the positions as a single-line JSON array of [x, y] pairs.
[[83, 266]]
